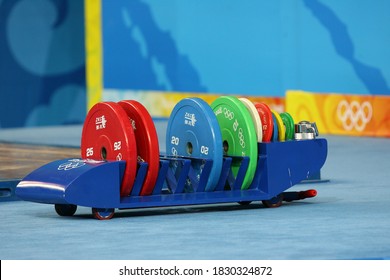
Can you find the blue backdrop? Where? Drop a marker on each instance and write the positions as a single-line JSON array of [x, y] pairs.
[[42, 62], [247, 47], [219, 46]]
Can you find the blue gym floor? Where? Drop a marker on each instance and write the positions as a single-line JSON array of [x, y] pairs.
[[349, 218]]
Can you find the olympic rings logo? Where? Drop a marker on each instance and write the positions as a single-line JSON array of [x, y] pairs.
[[241, 137], [354, 115], [228, 114], [71, 164]]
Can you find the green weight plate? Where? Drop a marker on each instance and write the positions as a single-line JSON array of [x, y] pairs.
[[289, 124], [238, 133]]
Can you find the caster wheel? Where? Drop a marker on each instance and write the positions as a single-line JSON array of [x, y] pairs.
[[103, 213], [65, 209], [273, 202]]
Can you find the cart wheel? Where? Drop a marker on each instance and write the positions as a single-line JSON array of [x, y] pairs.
[[273, 202], [103, 213], [244, 202], [65, 209]]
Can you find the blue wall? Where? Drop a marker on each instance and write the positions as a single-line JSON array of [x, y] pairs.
[[219, 46], [42, 62], [247, 47]]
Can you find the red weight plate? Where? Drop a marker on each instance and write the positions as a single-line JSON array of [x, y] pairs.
[[107, 134], [147, 141], [266, 120]]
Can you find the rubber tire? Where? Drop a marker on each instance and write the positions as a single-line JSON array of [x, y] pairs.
[[103, 213], [273, 202], [65, 210]]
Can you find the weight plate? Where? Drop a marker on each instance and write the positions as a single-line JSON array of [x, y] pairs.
[[193, 131], [146, 139], [289, 124], [238, 133], [275, 131], [107, 134], [266, 120], [280, 125], [255, 117]]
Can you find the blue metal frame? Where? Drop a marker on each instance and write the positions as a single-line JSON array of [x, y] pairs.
[[7, 190], [96, 184]]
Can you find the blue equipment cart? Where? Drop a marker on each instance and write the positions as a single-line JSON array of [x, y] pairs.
[[69, 183]]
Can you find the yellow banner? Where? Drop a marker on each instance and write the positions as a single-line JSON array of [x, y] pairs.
[[93, 51], [356, 115]]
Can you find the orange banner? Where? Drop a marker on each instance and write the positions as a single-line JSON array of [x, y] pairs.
[[356, 115], [160, 104]]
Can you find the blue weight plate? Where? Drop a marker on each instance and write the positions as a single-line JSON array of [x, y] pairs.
[[275, 133], [193, 131]]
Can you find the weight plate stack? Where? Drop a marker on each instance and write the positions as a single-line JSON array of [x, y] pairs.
[[108, 135], [289, 124], [281, 135], [255, 117], [238, 133], [266, 120], [146, 140], [193, 131]]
